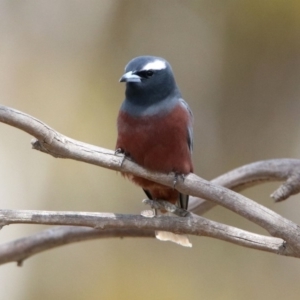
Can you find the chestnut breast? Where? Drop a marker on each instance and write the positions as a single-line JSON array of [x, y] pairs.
[[158, 142]]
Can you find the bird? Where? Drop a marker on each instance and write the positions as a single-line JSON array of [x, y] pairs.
[[155, 130]]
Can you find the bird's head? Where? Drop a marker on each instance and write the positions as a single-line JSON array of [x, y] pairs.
[[148, 79]]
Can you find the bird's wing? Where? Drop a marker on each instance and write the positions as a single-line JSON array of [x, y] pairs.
[[190, 137], [184, 199]]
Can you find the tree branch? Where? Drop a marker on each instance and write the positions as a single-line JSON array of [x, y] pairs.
[[58, 145], [117, 225], [54, 143], [23, 248], [285, 169]]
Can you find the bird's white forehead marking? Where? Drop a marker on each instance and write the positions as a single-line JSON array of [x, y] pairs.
[[155, 65]]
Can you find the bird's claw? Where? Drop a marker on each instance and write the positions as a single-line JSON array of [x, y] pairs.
[[176, 176], [163, 205], [149, 213], [118, 152]]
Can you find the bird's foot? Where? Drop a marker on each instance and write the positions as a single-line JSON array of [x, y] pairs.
[[176, 177], [161, 205], [167, 206], [121, 152], [149, 213]]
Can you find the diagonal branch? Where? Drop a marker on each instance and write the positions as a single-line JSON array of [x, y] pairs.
[[58, 145]]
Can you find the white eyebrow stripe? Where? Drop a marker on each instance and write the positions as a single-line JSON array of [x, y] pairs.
[[155, 65]]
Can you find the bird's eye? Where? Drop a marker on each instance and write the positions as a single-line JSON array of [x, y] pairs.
[[145, 73], [149, 73]]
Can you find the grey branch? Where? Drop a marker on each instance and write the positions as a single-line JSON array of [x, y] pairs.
[[286, 170], [286, 234], [23, 248], [116, 225]]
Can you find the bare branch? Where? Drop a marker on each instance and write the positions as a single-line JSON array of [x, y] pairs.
[[285, 169], [109, 225], [23, 248], [52, 142]]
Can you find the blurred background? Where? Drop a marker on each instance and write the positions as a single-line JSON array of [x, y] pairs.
[[238, 66]]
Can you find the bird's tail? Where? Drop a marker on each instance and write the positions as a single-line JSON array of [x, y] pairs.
[[179, 239]]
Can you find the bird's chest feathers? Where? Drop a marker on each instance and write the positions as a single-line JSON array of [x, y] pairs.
[[157, 138], [154, 128]]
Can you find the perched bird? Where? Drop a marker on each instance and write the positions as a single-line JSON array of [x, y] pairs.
[[155, 129]]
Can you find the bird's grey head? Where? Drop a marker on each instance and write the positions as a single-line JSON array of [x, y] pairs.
[[149, 80]]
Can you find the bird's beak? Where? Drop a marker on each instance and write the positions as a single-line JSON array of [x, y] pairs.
[[130, 77]]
